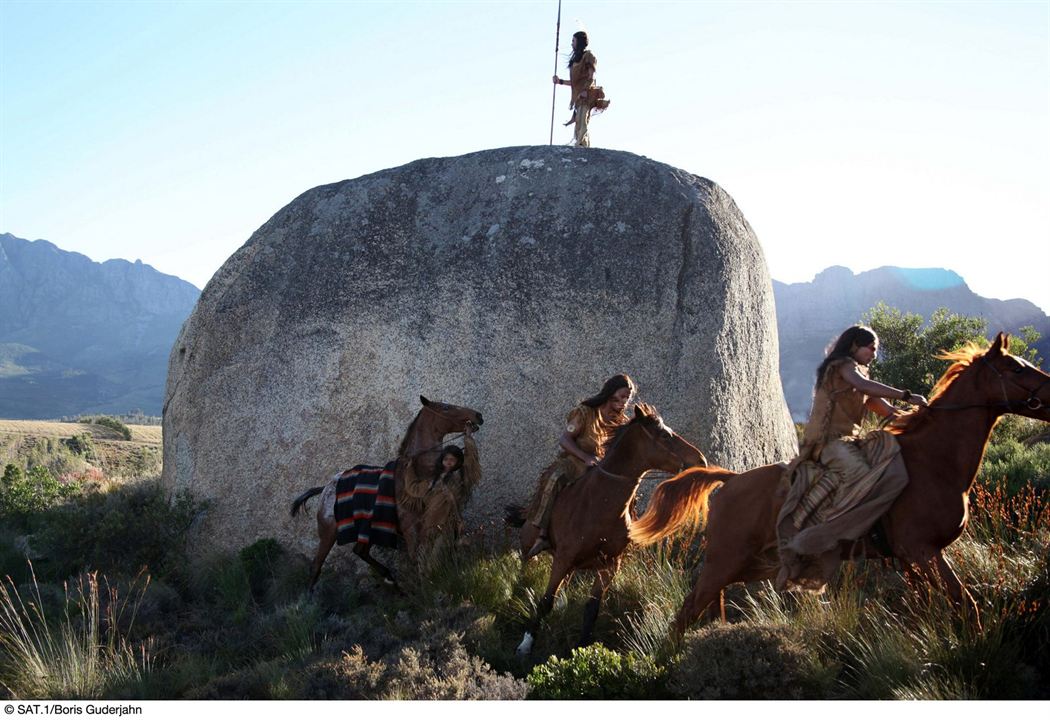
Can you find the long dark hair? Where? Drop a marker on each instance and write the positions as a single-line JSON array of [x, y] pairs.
[[848, 343], [616, 382], [452, 450], [581, 45]]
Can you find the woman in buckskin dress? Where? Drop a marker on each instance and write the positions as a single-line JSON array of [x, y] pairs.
[[586, 429], [586, 96], [844, 495]]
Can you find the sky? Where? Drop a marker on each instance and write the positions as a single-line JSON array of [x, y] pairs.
[[914, 134]]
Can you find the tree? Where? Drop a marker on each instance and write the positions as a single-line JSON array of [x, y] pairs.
[[908, 348]]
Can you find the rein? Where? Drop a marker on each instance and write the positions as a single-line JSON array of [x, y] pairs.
[[438, 446], [655, 440]]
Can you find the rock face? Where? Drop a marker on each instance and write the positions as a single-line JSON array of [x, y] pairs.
[[514, 281]]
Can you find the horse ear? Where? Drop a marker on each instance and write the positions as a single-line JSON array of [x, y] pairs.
[[423, 400], [639, 412], [1001, 344]]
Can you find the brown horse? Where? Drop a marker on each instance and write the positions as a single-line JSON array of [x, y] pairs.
[[421, 446], [941, 446], [591, 518]]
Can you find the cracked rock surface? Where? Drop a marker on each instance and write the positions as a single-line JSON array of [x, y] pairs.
[[514, 281]]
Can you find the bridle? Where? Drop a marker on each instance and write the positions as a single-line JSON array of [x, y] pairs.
[[441, 443], [1032, 402], [682, 462]]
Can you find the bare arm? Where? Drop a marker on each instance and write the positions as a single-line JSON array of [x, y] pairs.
[[876, 390], [568, 442]]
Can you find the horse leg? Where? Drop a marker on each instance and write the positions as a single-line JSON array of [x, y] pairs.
[[326, 535], [717, 610], [955, 589], [602, 580], [709, 588], [363, 551], [560, 569]]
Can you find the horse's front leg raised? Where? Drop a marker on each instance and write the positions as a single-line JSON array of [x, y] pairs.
[[559, 570], [603, 578]]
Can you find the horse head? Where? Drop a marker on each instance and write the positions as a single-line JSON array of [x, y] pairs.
[[1013, 383], [452, 417], [661, 447]]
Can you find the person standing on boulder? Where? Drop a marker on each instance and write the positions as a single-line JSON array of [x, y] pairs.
[[586, 96], [587, 428]]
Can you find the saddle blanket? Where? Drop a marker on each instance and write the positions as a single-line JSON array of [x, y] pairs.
[[365, 509]]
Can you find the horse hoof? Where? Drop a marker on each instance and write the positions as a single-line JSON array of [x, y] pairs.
[[539, 546], [526, 645]]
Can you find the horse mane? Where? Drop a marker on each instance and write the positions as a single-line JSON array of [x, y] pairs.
[[408, 433], [961, 359], [651, 415]]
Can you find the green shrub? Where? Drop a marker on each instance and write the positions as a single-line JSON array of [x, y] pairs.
[[123, 530], [81, 444], [260, 562], [436, 666], [745, 662], [1019, 428], [266, 680], [29, 493], [1017, 464], [597, 673], [113, 424]]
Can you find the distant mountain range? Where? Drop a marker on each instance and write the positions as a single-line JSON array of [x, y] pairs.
[[77, 336], [80, 337], [810, 315]]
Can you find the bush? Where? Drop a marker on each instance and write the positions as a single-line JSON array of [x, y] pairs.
[[81, 445], [745, 662], [435, 667], [134, 526], [597, 673], [1018, 465], [25, 494], [113, 424], [260, 561]]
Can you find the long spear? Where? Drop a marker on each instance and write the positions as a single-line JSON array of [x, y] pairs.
[[554, 92]]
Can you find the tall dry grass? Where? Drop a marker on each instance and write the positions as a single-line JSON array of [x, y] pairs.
[[77, 655]]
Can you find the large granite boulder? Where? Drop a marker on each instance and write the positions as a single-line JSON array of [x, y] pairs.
[[514, 281]]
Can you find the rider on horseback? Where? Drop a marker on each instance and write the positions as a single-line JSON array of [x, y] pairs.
[[836, 493], [586, 430]]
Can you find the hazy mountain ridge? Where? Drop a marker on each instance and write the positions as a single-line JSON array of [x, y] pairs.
[[80, 336], [812, 314]]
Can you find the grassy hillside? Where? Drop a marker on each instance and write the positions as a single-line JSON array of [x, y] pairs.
[[116, 558], [28, 442]]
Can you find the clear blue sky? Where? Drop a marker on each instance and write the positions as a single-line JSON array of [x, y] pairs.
[[858, 134]]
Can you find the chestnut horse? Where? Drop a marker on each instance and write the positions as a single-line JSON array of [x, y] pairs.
[[590, 519], [421, 446], [941, 446]]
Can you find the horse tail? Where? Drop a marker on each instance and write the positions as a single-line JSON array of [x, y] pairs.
[[514, 515], [301, 500], [677, 500]]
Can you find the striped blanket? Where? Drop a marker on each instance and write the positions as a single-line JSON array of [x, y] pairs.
[[365, 510]]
